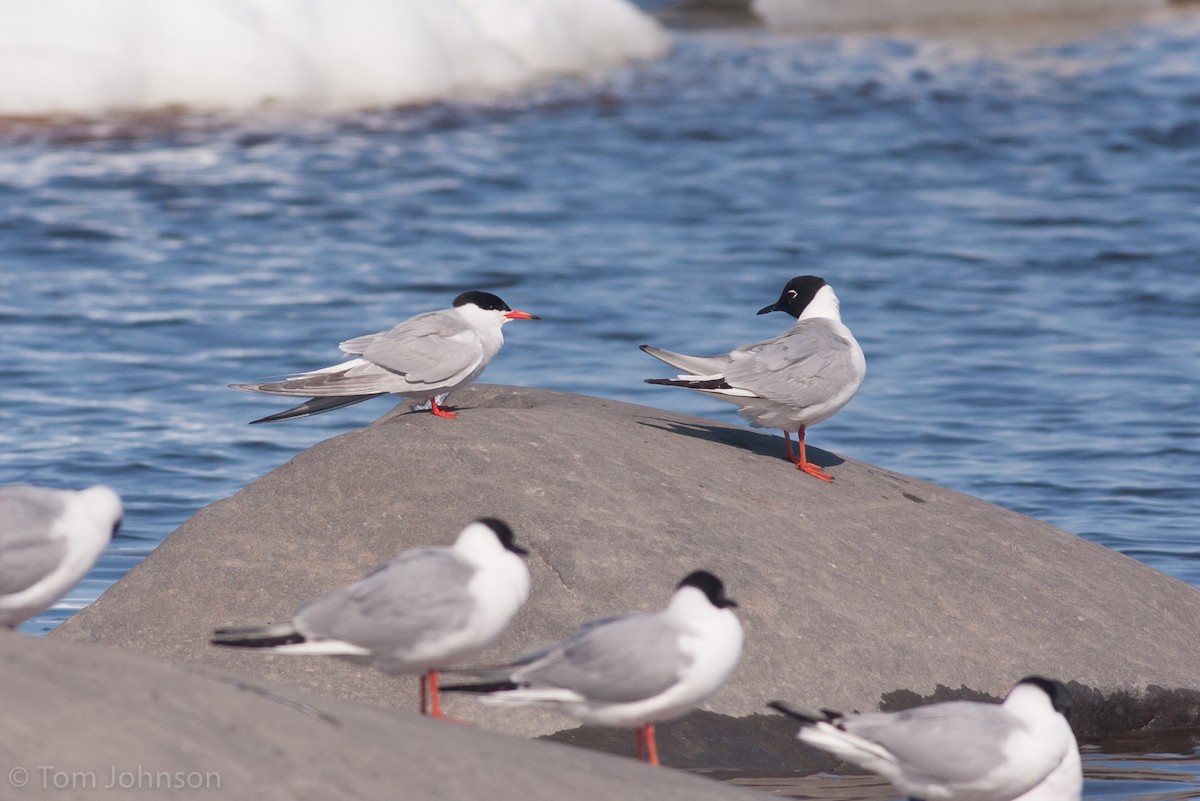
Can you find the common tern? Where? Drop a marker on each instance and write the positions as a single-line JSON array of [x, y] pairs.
[[790, 382], [1022, 748], [423, 609], [629, 671], [424, 358], [49, 538]]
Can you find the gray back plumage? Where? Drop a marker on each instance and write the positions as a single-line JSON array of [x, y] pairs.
[[614, 660], [419, 594], [28, 551], [951, 742], [427, 349], [805, 366]]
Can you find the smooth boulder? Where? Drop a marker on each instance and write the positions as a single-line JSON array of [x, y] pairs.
[[875, 590]]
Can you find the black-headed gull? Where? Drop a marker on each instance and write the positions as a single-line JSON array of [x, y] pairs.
[[49, 538], [421, 610], [790, 382], [629, 671], [1021, 749]]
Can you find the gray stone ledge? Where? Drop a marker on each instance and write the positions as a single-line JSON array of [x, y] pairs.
[[876, 589]]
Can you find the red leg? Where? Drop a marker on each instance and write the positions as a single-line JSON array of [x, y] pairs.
[[787, 441], [639, 743], [435, 705], [439, 411], [807, 466], [651, 746]]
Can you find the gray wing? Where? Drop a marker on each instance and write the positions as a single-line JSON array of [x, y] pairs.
[[804, 367], [416, 595], [427, 349], [952, 742], [30, 548], [695, 365], [616, 660]]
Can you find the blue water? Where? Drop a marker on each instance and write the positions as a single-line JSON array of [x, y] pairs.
[[1013, 230]]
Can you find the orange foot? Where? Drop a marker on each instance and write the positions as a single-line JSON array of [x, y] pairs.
[[814, 471], [441, 412], [802, 462]]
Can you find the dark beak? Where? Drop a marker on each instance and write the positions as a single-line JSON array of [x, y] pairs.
[[771, 308]]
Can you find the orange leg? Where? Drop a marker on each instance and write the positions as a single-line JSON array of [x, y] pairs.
[[802, 463], [431, 701], [439, 411], [651, 746], [639, 743]]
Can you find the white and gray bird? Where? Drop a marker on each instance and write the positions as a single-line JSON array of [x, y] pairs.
[[421, 610], [423, 359], [791, 382], [629, 671], [1021, 749], [49, 539]]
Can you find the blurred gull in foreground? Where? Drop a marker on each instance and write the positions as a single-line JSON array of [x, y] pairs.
[[422, 610], [49, 539], [1022, 749]]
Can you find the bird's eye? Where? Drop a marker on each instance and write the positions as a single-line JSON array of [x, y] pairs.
[[791, 293]]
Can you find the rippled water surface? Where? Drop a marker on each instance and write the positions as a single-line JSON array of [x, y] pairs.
[[1013, 230]]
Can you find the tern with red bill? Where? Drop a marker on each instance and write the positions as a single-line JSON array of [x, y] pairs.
[[422, 610], [423, 359], [790, 382], [628, 671]]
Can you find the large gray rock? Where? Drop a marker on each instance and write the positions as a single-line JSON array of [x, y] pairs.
[[91, 723], [875, 589]]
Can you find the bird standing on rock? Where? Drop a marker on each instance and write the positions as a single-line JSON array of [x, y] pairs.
[[790, 382], [1020, 750], [632, 670], [421, 610], [424, 358]]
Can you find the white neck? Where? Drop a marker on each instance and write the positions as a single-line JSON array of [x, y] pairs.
[[479, 544], [690, 602], [1030, 702], [824, 304]]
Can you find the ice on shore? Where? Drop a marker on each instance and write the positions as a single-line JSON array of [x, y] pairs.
[[90, 56]]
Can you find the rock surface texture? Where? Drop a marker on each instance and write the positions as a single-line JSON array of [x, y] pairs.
[[877, 589], [85, 722]]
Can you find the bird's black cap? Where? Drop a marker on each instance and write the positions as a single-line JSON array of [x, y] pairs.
[[504, 534], [1060, 696], [710, 585], [796, 295], [484, 300]]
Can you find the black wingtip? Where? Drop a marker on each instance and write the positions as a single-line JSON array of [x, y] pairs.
[[479, 689], [316, 406], [806, 717], [712, 383], [253, 638]]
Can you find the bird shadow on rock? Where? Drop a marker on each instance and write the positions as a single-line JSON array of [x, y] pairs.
[[762, 444], [709, 742]]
